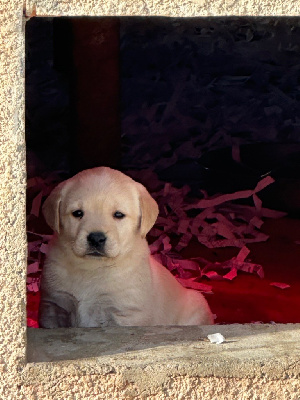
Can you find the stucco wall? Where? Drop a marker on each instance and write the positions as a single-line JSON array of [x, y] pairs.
[[79, 380], [179, 8], [12, 199]]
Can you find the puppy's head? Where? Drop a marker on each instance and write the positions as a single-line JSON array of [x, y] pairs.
[[100, 212]]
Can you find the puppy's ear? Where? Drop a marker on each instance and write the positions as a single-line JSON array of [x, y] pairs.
[[149, 210], [51, 208]]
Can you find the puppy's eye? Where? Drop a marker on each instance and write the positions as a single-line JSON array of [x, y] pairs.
[[78, 214], [119, 215]]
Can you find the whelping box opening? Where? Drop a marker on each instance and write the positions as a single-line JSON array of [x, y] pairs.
[[204, 113]]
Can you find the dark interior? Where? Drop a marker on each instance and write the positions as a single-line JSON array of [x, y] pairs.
[[208, 105]]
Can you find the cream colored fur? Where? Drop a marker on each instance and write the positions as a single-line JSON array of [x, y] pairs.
[[124, 285]]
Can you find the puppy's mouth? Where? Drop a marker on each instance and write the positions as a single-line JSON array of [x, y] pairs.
[[95, 254]]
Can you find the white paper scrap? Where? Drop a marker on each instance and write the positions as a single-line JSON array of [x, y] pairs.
[[216, 338]]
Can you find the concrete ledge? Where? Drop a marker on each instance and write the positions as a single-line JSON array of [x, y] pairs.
[[255, 362], [250, 351]]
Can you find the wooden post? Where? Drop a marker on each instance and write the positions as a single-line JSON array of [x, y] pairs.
[[96, 92]]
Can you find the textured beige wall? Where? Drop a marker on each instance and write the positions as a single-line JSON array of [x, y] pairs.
[[64, 382], [115, 387], [12, 198], [175, 8]]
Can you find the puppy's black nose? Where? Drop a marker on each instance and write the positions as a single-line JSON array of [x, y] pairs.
[[96, 239]]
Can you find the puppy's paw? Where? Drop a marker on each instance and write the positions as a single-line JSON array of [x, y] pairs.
[[53, 316]]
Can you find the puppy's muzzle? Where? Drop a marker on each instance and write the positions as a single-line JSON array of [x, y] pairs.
[[96, 242]]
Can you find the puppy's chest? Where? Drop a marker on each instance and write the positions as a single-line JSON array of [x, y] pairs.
[[85, 286], [103, 298]]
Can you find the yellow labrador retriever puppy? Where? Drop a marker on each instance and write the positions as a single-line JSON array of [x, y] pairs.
[[99, 270]]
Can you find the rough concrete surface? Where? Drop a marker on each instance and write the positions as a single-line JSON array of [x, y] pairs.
[[169, 362], [155, 371], [249, 351]]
